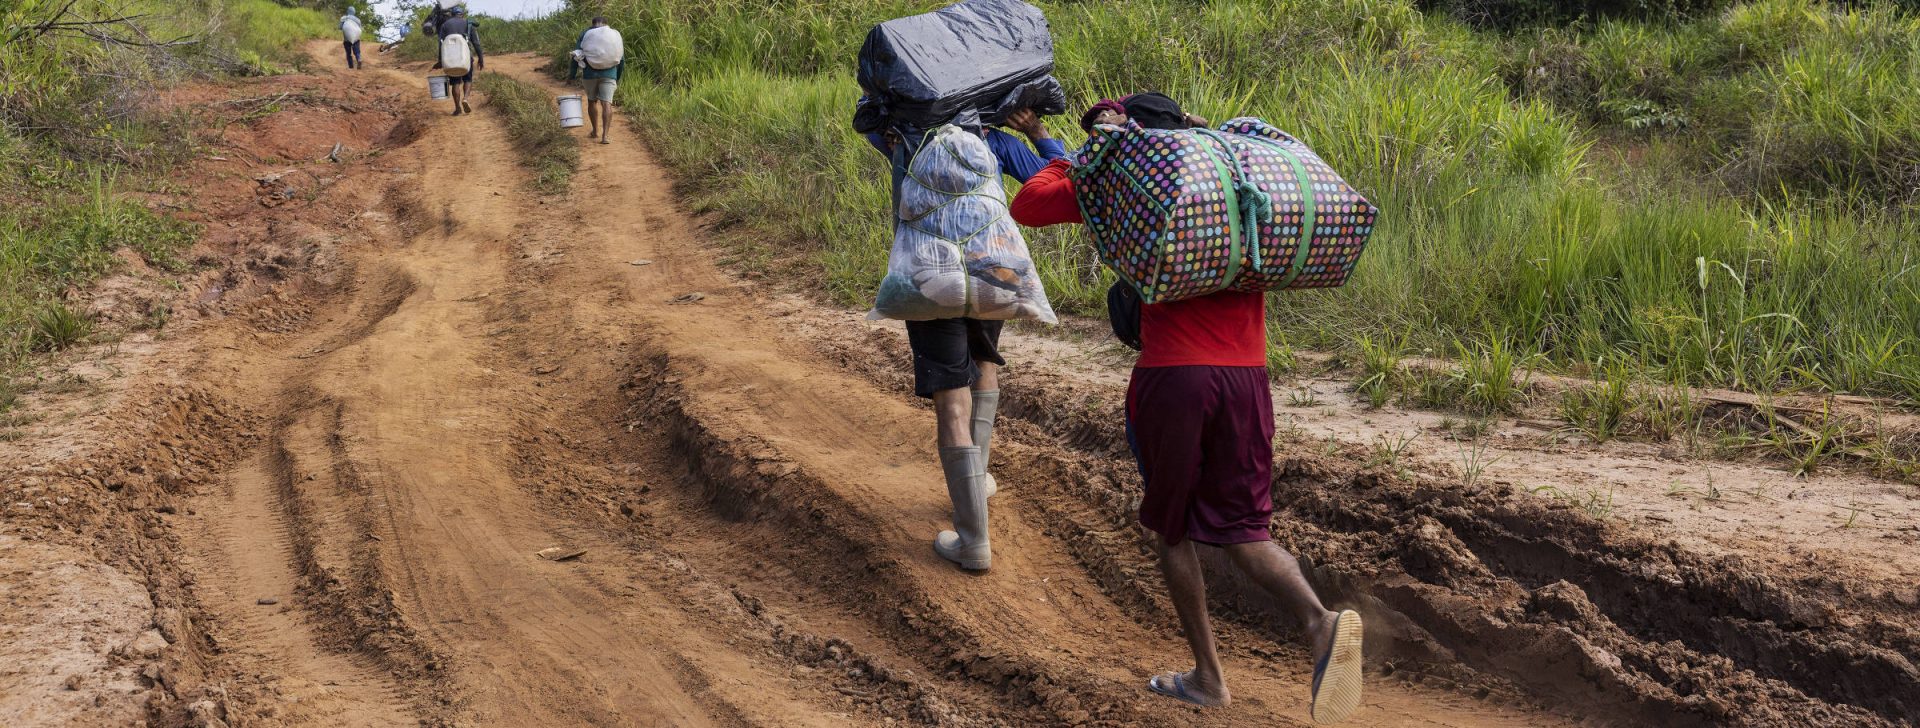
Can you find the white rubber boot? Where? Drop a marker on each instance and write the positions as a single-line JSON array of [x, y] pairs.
[[966, 545], [986, 405]]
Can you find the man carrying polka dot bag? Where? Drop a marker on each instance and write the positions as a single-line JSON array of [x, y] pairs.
[[1200, 422]]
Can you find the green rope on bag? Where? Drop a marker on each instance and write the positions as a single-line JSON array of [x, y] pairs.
[[1253, 204], [1309, 208]]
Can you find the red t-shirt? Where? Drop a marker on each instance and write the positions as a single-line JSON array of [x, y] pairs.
[[1225, 329]]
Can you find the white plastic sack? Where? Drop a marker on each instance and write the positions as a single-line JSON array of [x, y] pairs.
[[604, 48], [956, 251], [350, 29], [456, 57]]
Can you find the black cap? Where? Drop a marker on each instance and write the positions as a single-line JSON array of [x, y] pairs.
[[1155, 111]]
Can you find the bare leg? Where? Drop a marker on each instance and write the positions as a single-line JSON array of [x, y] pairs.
[[989, 376], [1188, 586], [1278, 573], [593, 119], [954, 410], [458, 92], [606, 120]]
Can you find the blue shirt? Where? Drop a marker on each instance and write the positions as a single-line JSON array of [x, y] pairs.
[[1017, 160]]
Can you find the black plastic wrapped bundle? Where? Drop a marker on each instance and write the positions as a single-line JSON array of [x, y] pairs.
[[971, 64]]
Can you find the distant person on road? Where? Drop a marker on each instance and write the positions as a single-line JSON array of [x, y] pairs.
[[442, 9], [405, 30], [350, 36], [598, 58], [956, 362], [1200, 422], [459, 87]]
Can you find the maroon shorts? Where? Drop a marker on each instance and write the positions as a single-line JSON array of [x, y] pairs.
[[1204, 439]]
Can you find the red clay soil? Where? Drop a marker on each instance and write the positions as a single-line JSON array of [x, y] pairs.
[[319, 500]]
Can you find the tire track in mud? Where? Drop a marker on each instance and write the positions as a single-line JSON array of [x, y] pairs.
[[339, 649]]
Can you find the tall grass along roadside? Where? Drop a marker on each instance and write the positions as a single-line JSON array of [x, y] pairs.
[[77, 128], [1711, 198], [546, 148]]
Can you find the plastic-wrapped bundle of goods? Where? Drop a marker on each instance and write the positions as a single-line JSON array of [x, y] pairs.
[[972, 64], [1247, 207], [956, 252]]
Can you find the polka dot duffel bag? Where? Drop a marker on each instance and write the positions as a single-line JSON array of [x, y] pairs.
[[1245, 207]]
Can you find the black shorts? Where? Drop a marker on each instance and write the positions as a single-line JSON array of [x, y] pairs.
[[945, 352]]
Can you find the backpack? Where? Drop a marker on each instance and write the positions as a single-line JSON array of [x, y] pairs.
[[456, 57], [956, 250], [1123, 313], [1184, 213], [604, 48], [350, 29]]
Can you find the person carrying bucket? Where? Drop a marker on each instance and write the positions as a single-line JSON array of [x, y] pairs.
[[1199, 419], [350, 36], [460, 80], [598, 57]]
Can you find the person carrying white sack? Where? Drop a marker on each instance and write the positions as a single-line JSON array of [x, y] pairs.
[[598, 58], [956, 357], [350, 30]]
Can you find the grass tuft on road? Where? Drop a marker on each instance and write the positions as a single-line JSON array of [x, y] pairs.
[[552, 154]]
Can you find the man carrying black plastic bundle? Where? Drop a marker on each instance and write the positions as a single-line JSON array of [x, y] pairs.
[[956, 362], [920, 73]]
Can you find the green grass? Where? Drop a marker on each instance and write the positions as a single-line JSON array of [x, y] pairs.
[[1487, 377], [1702, 198], [548, 150], [1602, 409], [77, 127], [268, 38]]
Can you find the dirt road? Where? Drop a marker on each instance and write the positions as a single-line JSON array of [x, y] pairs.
[[444, 427], [488, 374]]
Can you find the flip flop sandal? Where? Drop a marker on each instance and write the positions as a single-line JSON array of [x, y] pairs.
[[1336, 679], [1178, 689]]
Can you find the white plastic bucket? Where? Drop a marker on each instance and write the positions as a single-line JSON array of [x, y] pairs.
[[570, 114], [438, 86]]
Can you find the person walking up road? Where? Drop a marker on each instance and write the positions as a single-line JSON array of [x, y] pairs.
[[956, 362], [461, 86], [599, 56], [350, 29], [1200, 421]]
